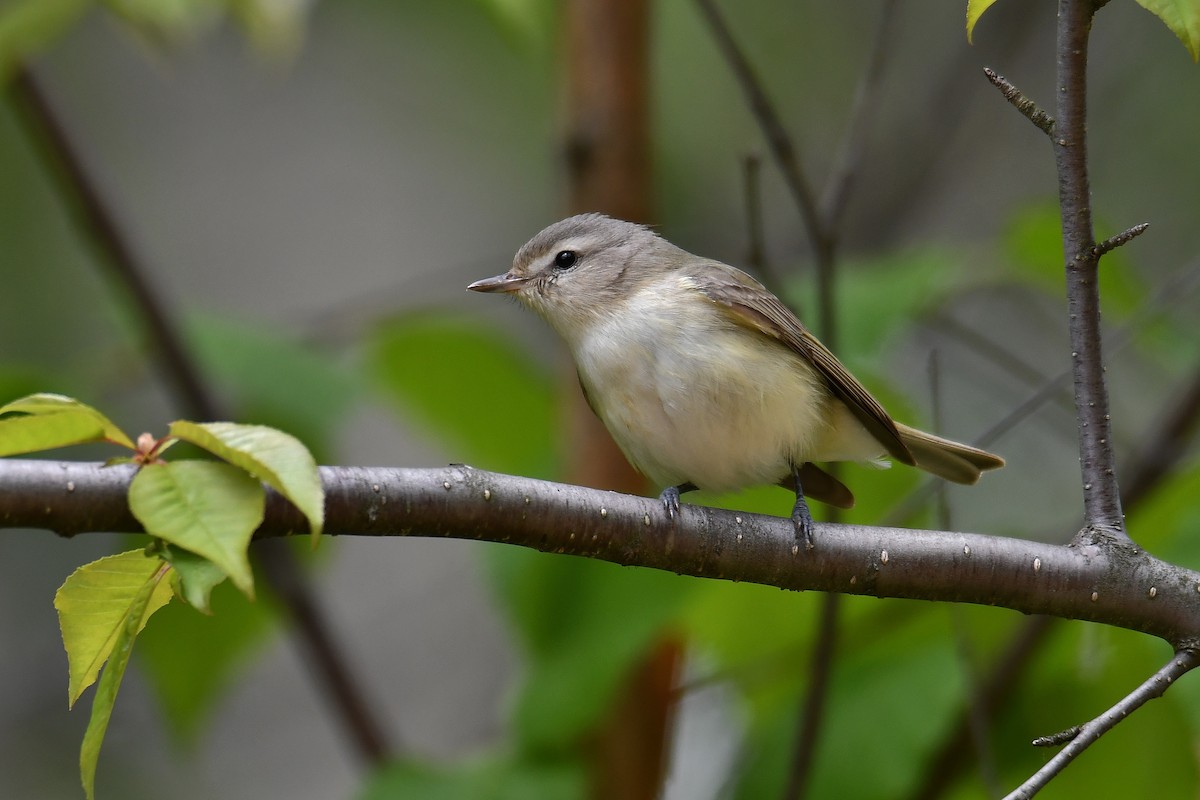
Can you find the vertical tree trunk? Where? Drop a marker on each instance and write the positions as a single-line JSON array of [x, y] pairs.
[[608, 162]]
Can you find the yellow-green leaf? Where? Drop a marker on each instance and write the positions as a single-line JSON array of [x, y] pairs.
[[975, 9], [274, 457], [93, 605], [1182, 17], [206, 507], [139, 608], [56, 405]]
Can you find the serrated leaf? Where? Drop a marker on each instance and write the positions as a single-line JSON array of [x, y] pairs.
[[274, 457], [209, 508], [92, 607], [26, 26], [139, 609], [196, 575], [61, 432], [1182, 17], [975, 9]]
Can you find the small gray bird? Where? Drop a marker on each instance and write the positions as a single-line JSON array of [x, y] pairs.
[[702, 376]]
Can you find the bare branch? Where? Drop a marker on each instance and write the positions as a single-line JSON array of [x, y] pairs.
[[1087, 734], [1113, 242], [812, 711], [1120, 586], [768, 119], [1101, 494], [1030, 109], [849, 160]]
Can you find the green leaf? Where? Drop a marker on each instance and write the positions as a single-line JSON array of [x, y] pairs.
[[93, 605], [61, 421], [472, 387], [209, 508], [1182, 17], [975, 9], [189, 658], [27, 26], [138, 610], [196, 576], [493, 779], [274, 457]]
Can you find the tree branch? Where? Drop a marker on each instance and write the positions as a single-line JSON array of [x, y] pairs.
[[1087, 734], [1101, 495], [1027, 107], [1122, 586]]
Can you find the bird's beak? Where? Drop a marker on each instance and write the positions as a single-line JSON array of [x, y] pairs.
[[500, 283]]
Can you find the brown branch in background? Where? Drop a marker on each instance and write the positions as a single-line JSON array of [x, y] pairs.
[[95, 218], [849, 160], [778, 140], [608, 169], [1031, 110], [821, 222]]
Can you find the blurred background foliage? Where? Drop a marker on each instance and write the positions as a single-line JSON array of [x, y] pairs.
[[314, 185]]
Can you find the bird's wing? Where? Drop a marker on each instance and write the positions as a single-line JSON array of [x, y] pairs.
[[751, 305]]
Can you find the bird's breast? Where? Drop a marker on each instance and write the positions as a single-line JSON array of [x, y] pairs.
[[692, 396]]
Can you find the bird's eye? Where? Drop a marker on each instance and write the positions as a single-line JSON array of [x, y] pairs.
[[565, 259]]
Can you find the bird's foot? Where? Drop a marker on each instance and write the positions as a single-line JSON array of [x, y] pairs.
[[670, 501], [801, 517], [803, 522]]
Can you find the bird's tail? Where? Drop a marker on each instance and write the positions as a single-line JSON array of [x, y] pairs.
[[953, 461]]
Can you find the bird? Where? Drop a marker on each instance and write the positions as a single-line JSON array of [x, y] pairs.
[[703, 377]]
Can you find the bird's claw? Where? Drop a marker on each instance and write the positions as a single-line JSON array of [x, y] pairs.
[[670, 501]]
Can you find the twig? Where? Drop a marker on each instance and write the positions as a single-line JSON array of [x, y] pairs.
[[95, 218], [1027, 107], [756, 250], [769, 121], [951, 759], [812, 710], [1113, 242], [849, 160], [1180, 664], [1179, 287]]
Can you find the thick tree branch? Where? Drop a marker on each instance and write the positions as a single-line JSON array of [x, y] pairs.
[[1115, 585]]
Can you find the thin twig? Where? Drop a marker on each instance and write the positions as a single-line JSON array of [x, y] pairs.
[[768, 118], [812, 710], [1155, 686], [1176, 289], [1113, 242], [849, 160], [96, 219], [1026, 106]]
